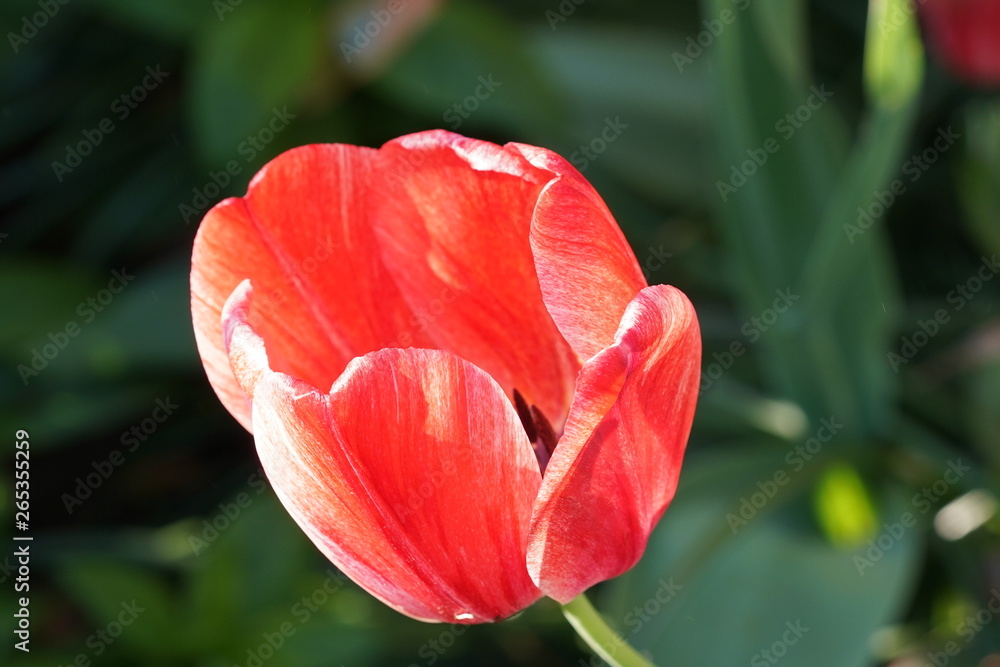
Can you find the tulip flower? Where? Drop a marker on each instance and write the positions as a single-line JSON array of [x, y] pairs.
[[964, 33], [459, 384]]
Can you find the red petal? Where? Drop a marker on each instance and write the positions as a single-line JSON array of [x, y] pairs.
[[615, 469], [302, 236], [247, 355], [413, 475], [964, 33], [586, 269], [453, 219]]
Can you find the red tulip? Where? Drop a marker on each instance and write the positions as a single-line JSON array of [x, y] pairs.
[[966, 35], [508, 401]]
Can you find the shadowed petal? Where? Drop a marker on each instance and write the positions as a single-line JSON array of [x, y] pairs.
[[413, 475], [964, 34], [302, 237], [586, 269], [615, 469], [453, 221]]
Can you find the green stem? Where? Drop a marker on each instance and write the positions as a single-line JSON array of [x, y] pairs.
[[605, 642]]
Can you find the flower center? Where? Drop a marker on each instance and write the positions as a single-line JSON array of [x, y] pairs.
[[536, 425]]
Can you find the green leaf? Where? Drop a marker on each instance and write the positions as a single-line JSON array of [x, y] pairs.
[[843, 506], [177, 20], [114, 592], [983, 411], [862, 303], [149, 324], [249, 557], [640, 79], [63, 415], [37, 291], [786, 188], [979, 174], [246, 70], [784, 30], [730, 408], [88, 331], [469, 68], [698, 582]]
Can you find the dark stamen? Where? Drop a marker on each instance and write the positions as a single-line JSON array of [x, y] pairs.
[[538, 428], [525, 413], [546, 435]]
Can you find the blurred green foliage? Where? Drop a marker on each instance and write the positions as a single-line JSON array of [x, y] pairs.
[[748, 152]]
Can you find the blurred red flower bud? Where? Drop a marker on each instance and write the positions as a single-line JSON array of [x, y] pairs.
[[965, 34]]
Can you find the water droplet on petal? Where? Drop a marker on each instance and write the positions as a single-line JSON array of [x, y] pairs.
[[463, 617]]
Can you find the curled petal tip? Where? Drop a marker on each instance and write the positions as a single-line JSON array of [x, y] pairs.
[[247, 353]]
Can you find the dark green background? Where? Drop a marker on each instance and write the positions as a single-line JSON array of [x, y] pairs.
[[564, 71]]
